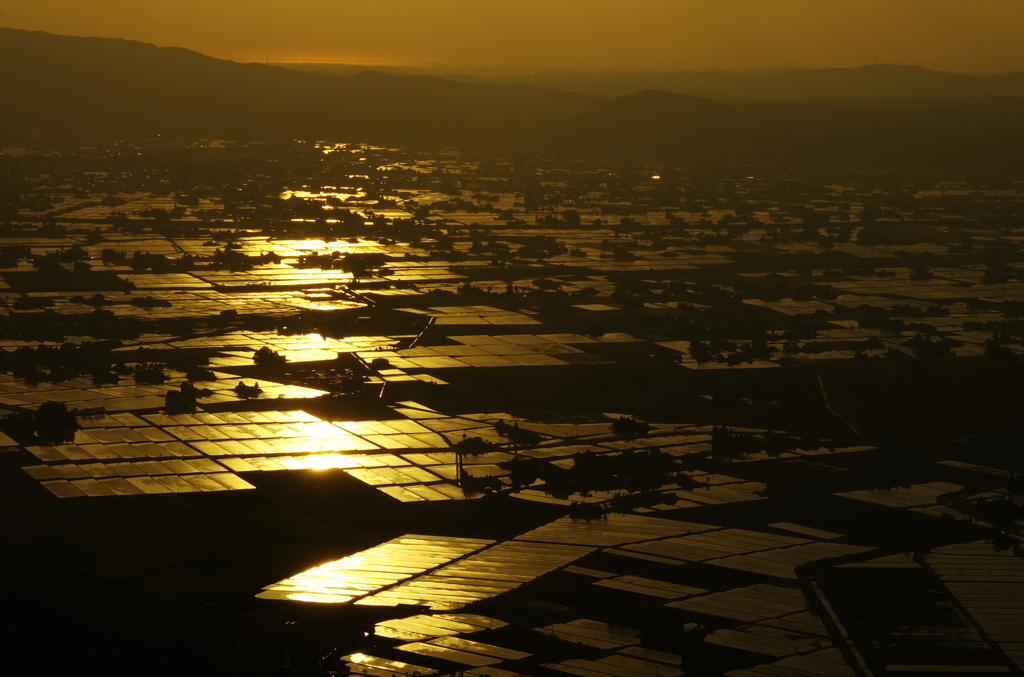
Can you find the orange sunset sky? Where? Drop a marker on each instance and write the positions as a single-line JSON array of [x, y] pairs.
[[597, 35]]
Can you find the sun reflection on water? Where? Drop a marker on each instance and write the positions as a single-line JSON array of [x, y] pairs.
[[309, 195], [329, 462], [319, 597], [372, 570]]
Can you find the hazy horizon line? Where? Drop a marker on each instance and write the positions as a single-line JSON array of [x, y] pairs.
[[520, 71], [510, 70]]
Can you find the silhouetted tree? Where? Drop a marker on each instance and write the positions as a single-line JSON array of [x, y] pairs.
[[149, 373], [52, 423], [629, 427], [247, 392], [267, 357]]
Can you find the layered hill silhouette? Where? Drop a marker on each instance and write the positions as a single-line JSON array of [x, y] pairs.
[[882, 82], [976, 134], [61, 84], [52, 82]]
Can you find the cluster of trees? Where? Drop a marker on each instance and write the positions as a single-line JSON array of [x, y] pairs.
[[52, 262], [835, 233], [184, 399], [776, 287], [52, 423], [158, 214], [1012, 308], [633, 477], [360, 265], [726, 352], [48, 229], [99, 324], [266, 357], [629, 427], [335, 380], [56, 364], [148, 302], [875, 317], [727, 444], [474, 446], [480, 204], [907, 310], [1001, 274], [149, 373], [95, 360], [516, 435], [537, 247], [1000, 326], [546, 294], [100, 301], [920, 345], [248, 392], [541, 247], [12, 254], [230, 258], [630, 472], [923, 346]]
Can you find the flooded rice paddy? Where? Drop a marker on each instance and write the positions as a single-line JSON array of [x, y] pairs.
[[480, 358]]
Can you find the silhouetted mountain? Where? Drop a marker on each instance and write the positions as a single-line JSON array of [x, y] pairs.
[[976, 133], [54, 82], [881, 82]]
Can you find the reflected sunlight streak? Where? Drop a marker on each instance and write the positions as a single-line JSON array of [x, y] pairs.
[[372, 570], [329, 462], [319, 598]]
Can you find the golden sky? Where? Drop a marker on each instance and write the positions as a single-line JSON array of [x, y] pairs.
[[517, 35]]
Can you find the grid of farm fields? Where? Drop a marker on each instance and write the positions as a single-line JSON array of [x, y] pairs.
[[388, 411]]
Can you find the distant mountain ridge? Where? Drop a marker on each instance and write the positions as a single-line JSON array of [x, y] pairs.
[[980, 135], [883, 82], [59, 84], [68, 83]]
